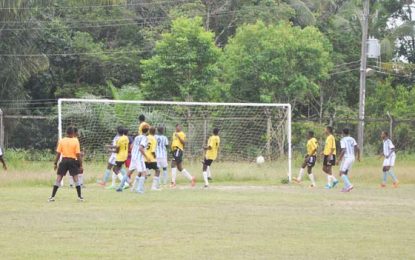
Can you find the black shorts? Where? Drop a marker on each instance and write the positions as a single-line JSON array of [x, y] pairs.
[[208, 162], [311, 161], [152, 165], [177, 156], [78, 164], [68, 164], [327, 162], [119, 164]]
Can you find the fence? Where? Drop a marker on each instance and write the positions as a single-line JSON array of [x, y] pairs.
[[40, 132]]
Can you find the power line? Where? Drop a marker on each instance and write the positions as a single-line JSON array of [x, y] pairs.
[[90, 6]]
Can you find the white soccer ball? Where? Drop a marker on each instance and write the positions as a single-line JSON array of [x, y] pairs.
[[260, 159]]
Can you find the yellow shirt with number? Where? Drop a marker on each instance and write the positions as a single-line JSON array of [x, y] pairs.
[[151, 148], [312, 146], [140, 127], [122, 145], [330, 144], [176, 144], [213, 144]]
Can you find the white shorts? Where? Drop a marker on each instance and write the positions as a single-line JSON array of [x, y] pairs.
[[390, 161], [346, 164], [139, 166], [162, 162], [1, 152], [112, 159]]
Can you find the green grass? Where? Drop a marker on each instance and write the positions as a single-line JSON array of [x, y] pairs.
[[246, 214]]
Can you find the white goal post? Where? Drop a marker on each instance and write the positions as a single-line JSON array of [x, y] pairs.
[[248, 130]]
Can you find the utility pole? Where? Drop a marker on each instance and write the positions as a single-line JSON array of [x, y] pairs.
[[363, 66]]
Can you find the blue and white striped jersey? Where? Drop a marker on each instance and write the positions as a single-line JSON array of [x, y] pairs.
[[348, 143], [387, 147], [140, 140], [114, 143], [162, 142]]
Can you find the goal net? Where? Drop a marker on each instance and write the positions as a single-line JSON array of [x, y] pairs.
[[246, 130]]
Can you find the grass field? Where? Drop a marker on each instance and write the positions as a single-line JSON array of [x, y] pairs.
[[246, 214]]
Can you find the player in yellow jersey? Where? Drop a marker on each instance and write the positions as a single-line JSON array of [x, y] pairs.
[[151, 161], [329, 154], [142, 123], [212, 150], [177, 147], [309, 160], [121, 150]]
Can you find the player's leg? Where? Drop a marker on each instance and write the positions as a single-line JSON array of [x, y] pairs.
[[55, 188], [186, 174], [141, 177], [310, 166], [345, 167], [126, 179], [385, 171], [115, 175], [302, 169], [391, 173], [206, 165], [174, 161], [205, 174], [61, 172], [209, 172], [156, 178]]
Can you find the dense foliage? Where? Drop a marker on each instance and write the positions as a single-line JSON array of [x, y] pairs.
[[303, 52]]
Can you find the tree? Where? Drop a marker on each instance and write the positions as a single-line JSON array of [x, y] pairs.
[[184, 65], [275, 63]]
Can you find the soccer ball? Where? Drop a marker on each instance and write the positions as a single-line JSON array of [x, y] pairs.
[[260, 159]]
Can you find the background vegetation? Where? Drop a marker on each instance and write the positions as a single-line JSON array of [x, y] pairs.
[[303, 52]]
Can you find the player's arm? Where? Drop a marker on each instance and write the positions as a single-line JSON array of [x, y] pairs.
[[142, 150], [181, 139], [3, 162], [391, 152], [342, 152], [357, 152]]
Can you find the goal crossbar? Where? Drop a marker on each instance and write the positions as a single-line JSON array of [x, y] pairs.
[[287, 106]]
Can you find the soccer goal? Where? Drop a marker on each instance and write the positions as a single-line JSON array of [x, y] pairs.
[[247, 130]]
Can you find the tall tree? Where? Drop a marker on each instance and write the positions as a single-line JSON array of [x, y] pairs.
[[184, 65]]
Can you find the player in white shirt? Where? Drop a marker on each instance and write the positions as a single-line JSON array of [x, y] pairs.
[[111, 162], [349, 153], [389, 160], [2, 160], [161, 153], [138, 159]]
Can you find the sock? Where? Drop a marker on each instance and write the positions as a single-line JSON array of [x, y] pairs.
[[137, 180], [165, 176], [123, 172], [123, 181], [333, 178], [205, 178], [385, 177], [141, 181], [134, 183], [300, 174], [61, 184], [78, 191], [394, 178], [173, 174], [208, 172], [71, 182], [119, 176], [114, 178], [81, 179], [55, 189], [155, 184], [346, 181], [329, 180], [106, 175], [187, 174], [313, 181]]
